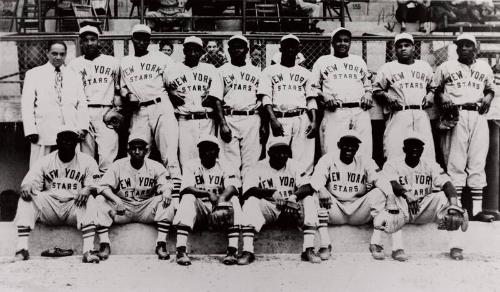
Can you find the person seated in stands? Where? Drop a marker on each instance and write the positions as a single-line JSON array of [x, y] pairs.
[[412, 11], [166, 47], [443, 12], [161, 13], [472, 10], [309, 8], [213, 55]]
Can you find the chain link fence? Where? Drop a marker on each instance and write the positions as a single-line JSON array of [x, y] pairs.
[[26, 52]]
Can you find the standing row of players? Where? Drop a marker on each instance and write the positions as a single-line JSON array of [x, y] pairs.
[[175, 104]]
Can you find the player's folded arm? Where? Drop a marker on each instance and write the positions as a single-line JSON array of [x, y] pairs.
[[259, 193], [229, 192], [303, 191], [198, 193], [397, 188]]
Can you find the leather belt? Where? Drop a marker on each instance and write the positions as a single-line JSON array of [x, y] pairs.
[[349, 105], [230, 112], [150, 102], [99, 105], [468, 107], [194, 116], [289, 114], [410, 107]]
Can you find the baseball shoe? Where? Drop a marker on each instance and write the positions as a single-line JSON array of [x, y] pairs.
[[246, 258], [90, 257], [309, 256], [483, 217], [104, 250], [182, 257], [22, 255], [325, 252], [161, 251], [456, 254], [230, 258], [399, 255], [377, 251]]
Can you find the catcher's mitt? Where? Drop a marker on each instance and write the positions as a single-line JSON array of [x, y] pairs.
[[113, 118], [292, 212], [222, 217], [390, 220], [452, 217], [448, 119]]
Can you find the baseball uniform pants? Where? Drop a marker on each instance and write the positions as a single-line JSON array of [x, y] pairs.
[[257, 212], [190, 133], [358, 212], [159, 123], [401, 123], [335, 124], [50, 210], [102, 138], [193, 210], [465, 148], [147, 211], [294, 129], [244, 148]]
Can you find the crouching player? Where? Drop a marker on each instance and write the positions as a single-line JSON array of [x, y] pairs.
[[209, 195], [136, 189], [413, 179], [269, 186]]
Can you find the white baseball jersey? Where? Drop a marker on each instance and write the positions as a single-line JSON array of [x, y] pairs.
[[213, 180], [345, 182], [194, 83], [240, 86], [99, 78], [420, 179], [145, 76], [494, 112], [463, 83], [346, 79], [63, 180], [409, 83], [287, 88], [135, 185], [285, 180]]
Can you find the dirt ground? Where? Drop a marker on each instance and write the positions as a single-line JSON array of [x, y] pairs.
[[345, 272]]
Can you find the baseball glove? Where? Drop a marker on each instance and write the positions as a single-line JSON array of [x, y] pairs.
[[113, 118], [390, 220], [222, 217], [292, 212], [448, 119], [452, 217]]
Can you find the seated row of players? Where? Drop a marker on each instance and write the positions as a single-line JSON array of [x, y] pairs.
[[61, 188]]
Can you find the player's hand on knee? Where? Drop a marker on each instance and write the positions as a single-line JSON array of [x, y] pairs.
[[214, 197], [312, 130], [366, 102], [278, 199], [225, 133], [412, 200], [277, 128], [26, 193], [82, 198], [33, 138]]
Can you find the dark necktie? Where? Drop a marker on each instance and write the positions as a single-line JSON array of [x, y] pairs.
[[58, 84]]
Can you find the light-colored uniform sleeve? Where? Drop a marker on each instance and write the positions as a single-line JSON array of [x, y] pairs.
[[217, 86], [439, 176], [373, 172], [251, 179], [319, 177], [381, 82], [301, 176], [93, 174], [439, 75], [489, 82], [28, 104], [367, 83], [265, 88], [231, 178], [124, 90], [389, 171], [162, 176], [35, 176], [188, 179], [109, 179], [311, 93]]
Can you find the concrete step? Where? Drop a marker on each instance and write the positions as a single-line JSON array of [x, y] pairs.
[[140, 239]]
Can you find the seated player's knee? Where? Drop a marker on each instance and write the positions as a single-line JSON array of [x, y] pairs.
[[376, 196], [187, 199]]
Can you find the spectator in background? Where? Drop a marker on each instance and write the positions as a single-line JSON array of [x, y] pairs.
[[412, 11], [213, 55], [256, 56], [161, 12], [166, 47], [310, 8], [443, 12]]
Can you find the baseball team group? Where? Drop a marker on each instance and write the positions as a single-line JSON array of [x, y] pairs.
[[210, 126]]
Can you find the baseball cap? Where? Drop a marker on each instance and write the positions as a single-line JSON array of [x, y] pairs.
[[339, 30], [403, 36], [141, 28], [298, 59], [238, 37], [137, 137], [67, 129], [414, 136], [289, 37], [89, 29], [279, 141], [466, 37], [351, 135], [193, 40], [209, 138]]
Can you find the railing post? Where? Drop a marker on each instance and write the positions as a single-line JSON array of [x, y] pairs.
[[142, 12], [244, 17], [40, 24], [342, 13]]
